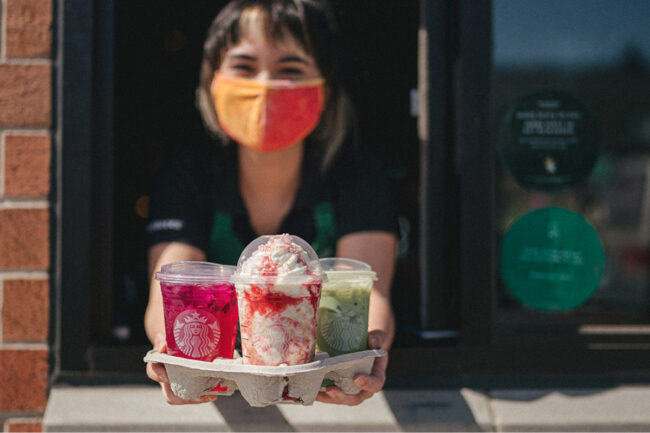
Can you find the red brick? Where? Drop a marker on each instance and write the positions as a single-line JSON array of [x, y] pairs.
[[29, 28], [24, 239], [27, 165], [23, 375], [25, 310], [24, 425], [25, 95]]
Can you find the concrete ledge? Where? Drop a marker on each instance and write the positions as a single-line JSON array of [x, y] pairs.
[[125, 408], [436, 410], [624, 408], [142, 408], [373, 414]]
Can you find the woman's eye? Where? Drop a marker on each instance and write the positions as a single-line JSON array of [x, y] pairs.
[[244, 68], [291, 71]]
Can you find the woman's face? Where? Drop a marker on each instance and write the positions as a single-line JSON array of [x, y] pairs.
[[257, 59]]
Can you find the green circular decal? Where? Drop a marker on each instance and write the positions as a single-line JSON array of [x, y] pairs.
[[552, 259], [548, 141]]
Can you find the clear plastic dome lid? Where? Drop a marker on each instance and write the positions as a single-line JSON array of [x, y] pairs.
[[278, 258], [340, 267], [194, 272]]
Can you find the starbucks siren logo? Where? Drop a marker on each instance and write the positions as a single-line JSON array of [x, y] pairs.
[[343, 330], [196, 333]]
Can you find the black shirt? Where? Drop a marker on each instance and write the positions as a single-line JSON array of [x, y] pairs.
[[196, 200]]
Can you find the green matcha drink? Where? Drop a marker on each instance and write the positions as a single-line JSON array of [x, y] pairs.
[[343, 309]]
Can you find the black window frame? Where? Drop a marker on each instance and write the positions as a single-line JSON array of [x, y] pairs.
[[81, 219], [456, 155], [71, 269]]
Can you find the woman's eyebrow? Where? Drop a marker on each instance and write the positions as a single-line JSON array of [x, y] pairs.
[[287, 59], [242, 57]]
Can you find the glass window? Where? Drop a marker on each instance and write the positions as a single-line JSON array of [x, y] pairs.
[[571, 121]]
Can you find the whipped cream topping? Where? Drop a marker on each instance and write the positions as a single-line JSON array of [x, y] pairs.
[[280, 262], [279, 256]]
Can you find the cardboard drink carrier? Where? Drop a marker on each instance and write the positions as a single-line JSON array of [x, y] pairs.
[[264, 385], [280, 381]]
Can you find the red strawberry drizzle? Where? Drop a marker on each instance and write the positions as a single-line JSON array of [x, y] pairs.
[[258, 300], [275, 303]]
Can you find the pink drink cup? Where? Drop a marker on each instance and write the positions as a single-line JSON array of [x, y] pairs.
[[200, 308]]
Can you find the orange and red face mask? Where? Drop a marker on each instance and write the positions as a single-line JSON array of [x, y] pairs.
[[270, 115]]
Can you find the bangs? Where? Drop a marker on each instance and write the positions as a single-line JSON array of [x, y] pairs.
[[281, 26]]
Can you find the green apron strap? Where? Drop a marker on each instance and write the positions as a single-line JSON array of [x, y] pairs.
[[325, 241], [224, 247]]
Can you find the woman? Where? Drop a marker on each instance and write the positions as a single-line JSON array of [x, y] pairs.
[[269, 93]]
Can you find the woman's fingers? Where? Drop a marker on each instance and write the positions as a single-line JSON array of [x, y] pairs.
[[157, 372], [379, 368], [333, 395], [369, 384], [375, 381]]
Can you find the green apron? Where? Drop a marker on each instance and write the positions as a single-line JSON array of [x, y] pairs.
[[225, 247]]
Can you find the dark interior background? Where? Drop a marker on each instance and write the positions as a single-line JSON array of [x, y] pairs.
[[158, 48]]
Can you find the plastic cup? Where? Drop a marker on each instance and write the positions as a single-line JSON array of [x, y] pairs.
[[200, 306], [344, 304], [278, 282]]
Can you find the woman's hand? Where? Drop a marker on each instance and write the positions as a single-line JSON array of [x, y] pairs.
[[369, 384], [157, 372]]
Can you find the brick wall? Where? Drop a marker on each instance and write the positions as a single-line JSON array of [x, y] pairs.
[[25, 158]]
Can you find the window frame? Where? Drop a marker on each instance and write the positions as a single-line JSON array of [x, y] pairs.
[[455, 137]]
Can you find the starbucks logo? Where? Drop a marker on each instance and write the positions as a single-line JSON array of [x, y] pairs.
[[196, 333], [343, 330]]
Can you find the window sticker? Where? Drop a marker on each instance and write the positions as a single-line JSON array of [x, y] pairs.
[[552, 259], [548, 142]]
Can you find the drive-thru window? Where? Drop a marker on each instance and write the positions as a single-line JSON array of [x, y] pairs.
[[517, 132]]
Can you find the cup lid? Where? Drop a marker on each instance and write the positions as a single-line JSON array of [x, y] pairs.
[[278, 258], [195, 272], [341, 267]]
